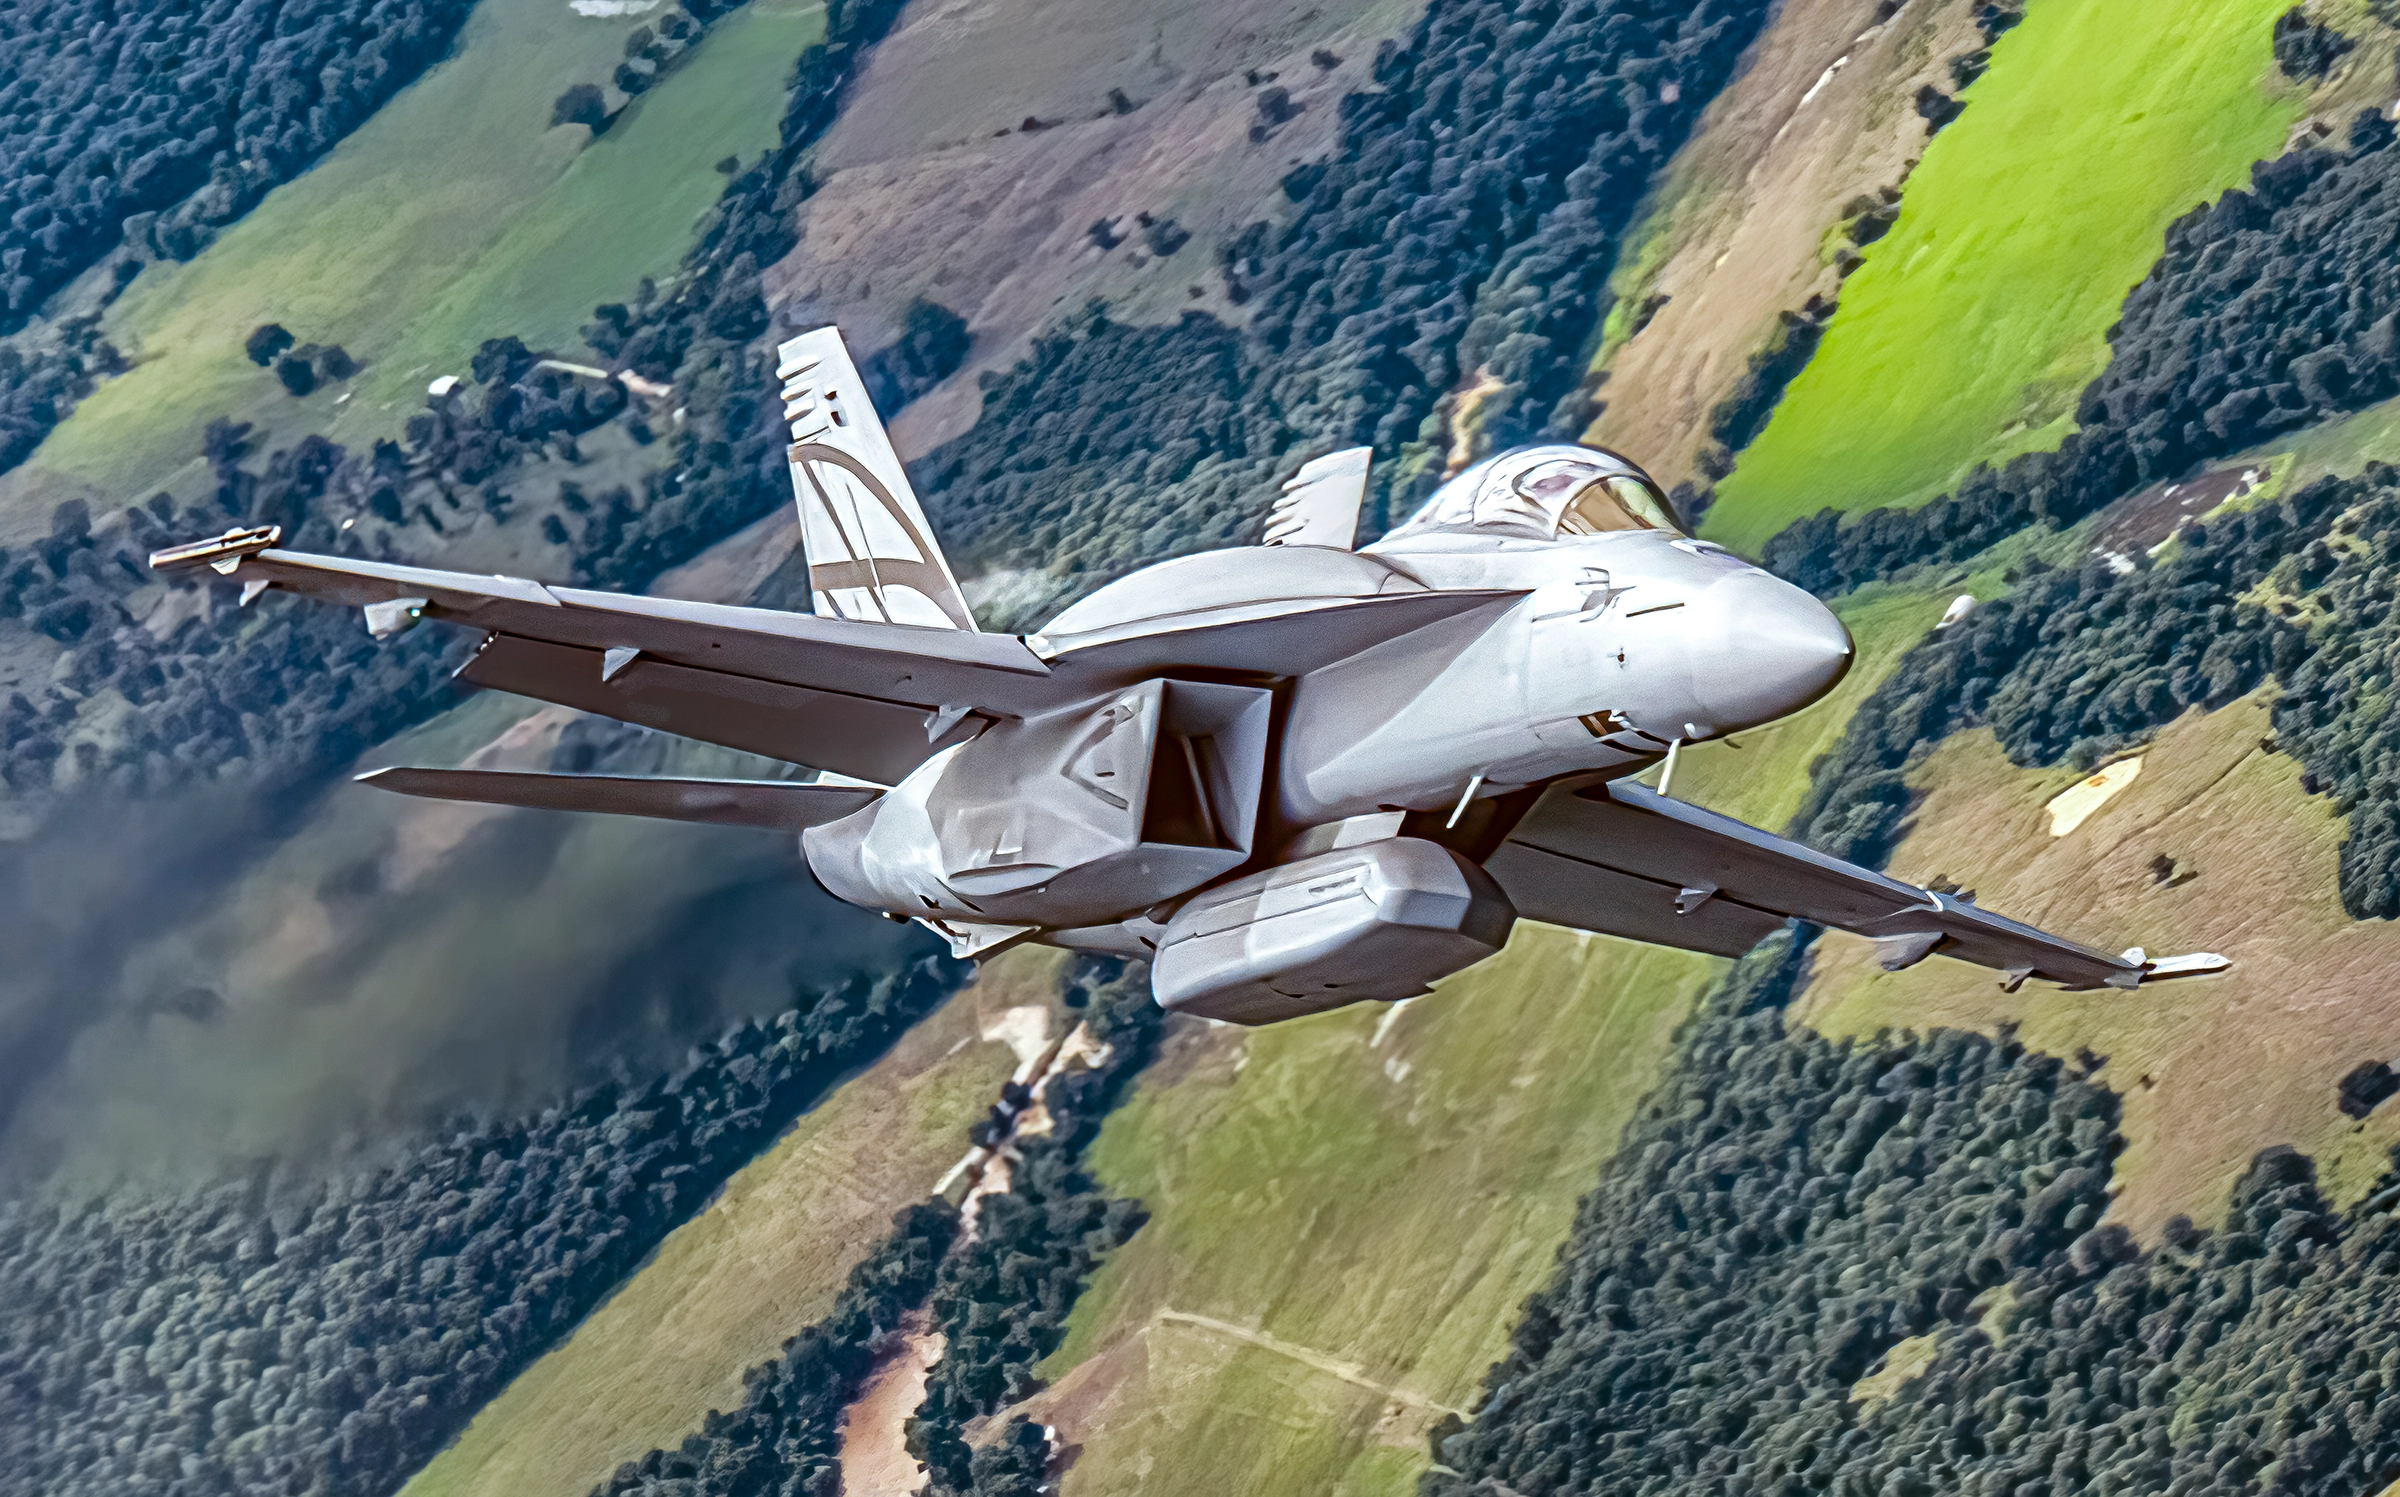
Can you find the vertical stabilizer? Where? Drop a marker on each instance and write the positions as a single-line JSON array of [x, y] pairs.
[[871, 554]]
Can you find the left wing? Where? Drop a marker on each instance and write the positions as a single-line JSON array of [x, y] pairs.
[[1624, 860], [868, 700]]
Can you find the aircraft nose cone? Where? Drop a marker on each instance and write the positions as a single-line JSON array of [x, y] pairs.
[[1762, 648]]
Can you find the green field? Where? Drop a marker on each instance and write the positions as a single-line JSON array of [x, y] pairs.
[[760, 1264], [1972, 328], [1344, 1222], [454, 215], [2342, 446]]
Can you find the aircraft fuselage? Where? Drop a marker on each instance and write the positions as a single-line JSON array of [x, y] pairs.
[[1088, 824]]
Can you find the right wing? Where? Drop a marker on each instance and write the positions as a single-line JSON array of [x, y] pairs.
[[871, 701], [1624, 860], [780, 805], [871, 553]]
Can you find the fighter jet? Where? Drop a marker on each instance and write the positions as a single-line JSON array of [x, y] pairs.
[[1289, 776]]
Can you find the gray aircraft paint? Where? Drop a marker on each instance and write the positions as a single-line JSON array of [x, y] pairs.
[[1293, 776]]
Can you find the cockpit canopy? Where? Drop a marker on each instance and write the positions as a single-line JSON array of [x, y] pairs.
[[1542, 493]]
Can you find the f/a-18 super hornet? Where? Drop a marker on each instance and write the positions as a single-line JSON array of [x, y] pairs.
[[1291, 776]]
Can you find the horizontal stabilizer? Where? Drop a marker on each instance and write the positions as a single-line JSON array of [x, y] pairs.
[[776, 804]]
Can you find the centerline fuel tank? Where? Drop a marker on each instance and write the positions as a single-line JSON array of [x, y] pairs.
[[1381, 920]]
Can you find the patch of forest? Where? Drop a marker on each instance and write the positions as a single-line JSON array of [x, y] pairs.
[[1461, 232], [40, 383], [297, 692], [327, 1335], [156, 125], [2073, 664], [1791, 1215], [998, 1291], [2271, 309]]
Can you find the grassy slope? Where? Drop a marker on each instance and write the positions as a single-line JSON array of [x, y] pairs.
[[1382, 1223], [2341, 447], [765, 1260], [452, 216], [1972, 327], [1737, 228], [2214, 1069]]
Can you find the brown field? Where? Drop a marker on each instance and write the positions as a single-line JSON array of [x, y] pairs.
[[2211, 1069], [933, 188]]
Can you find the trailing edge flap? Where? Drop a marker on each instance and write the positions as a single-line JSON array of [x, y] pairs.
[[871, 553], [850, 735], [776, 804], [1320, 503], [1582, 849]]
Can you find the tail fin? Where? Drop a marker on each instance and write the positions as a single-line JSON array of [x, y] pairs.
[[871, 554]]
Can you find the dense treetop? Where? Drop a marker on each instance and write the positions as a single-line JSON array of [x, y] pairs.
[[179, 116], [1790, 1214], [324, 1336]]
